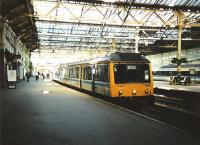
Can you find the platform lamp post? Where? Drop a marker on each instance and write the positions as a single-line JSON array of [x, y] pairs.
[[137, 38], [114, 45], [180, 26]]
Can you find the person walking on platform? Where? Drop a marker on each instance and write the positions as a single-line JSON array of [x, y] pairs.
[[43, 76], [37, 76], [28, 76]]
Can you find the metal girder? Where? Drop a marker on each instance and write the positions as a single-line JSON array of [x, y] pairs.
[[156, 5], [96, 30], [102, 16], [86, 25]]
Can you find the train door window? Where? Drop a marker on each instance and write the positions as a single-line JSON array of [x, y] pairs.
[[118, 73], [106, 73], [85, 72], [143, 73], [102, 73], [82, 73], [88, 73], [98, 73]]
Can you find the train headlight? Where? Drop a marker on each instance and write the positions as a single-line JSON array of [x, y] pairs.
[[120, 92], [146, 91], [134, 92]]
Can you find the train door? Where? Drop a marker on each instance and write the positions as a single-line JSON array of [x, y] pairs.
[[81, 75], [101, 80], [93, 70]]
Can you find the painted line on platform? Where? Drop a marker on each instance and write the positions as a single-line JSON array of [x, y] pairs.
[[139, 114]]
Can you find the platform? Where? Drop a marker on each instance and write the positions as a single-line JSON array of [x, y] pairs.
[[166, 86], [46, 113]]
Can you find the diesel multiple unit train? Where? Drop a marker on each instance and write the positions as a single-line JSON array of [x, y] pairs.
[[119, 75]]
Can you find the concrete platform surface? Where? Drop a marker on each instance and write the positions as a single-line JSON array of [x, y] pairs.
[[45, 113], [165, 85]]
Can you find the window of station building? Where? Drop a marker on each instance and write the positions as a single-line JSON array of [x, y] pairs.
[[88, 73], [101, 73]]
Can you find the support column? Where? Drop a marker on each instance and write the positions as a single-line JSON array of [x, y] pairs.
[[114, 46], [2, 57], [180, 26], [1, 67]]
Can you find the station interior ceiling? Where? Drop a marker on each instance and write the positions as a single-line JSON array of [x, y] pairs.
[[50, 26]]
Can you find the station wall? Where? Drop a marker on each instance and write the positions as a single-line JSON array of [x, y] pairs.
[[158, 60], [13, 54]]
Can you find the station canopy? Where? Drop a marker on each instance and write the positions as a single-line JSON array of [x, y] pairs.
[[107, 25]]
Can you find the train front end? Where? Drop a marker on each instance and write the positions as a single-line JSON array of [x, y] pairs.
[[132, 80]]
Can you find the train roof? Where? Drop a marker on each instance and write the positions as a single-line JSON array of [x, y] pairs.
[[124, 57], [127, 57], [114, 57]]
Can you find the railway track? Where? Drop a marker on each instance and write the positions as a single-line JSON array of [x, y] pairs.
[[178, 104], [173, 117]]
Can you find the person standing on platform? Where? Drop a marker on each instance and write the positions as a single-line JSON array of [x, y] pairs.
[[37, 76]]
